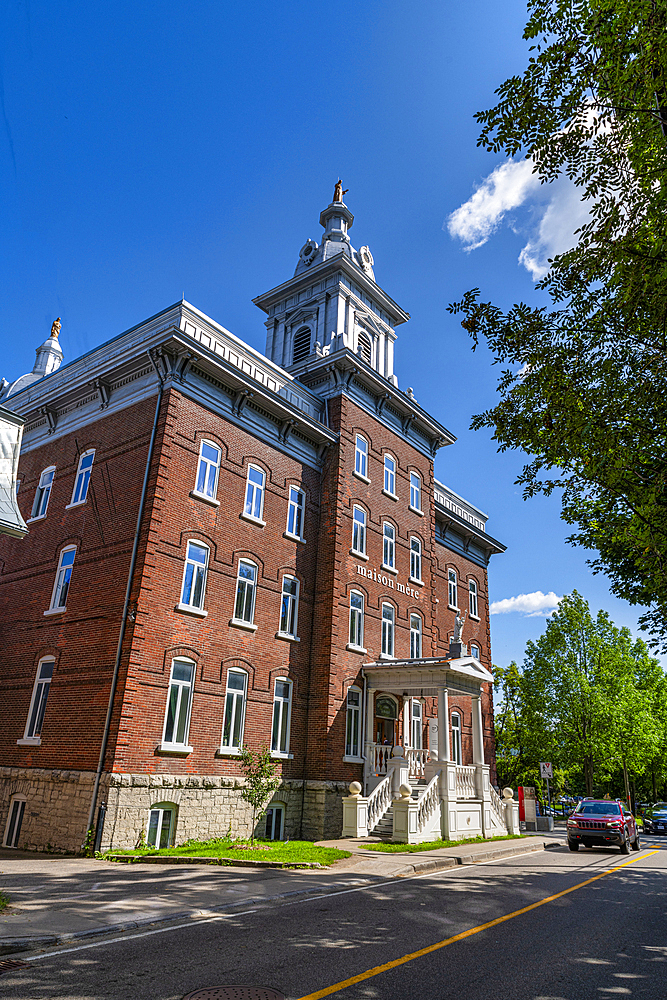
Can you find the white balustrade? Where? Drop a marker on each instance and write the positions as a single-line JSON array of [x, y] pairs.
[[379, 756], [465, 782], [497, 808], [378, 802], [429, 803], [417, 759]]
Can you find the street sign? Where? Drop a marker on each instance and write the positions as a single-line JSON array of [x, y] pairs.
[[546, 770]]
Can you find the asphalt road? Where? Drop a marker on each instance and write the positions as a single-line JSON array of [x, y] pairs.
[[605, 938]]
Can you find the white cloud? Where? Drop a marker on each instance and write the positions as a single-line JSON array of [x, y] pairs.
[[532, 605], [507, 187], [556, 212]]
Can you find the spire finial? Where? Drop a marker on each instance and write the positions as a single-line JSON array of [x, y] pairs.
[[55, 327], [338, 190]]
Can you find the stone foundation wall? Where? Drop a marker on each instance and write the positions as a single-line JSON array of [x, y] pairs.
[[207, 806]]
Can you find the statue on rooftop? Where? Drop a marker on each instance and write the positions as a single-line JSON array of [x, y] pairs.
[[459, 622], [338, 190], [55, 327]]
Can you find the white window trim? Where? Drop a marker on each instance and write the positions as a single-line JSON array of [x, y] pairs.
[[18, 797], [417, 510], [361, 475], [165, 746], [247, 623], [360, 724], [390, 567], [287, 533], [388, 493], [280, 633], [195, 492], [456, 744], [239, 623], [225, 748], [355, 649], [194, 608], [58, 610], [36, 741], [38, 517], [414, 614], [256, 519], [392, 496], [362, 611], [359, 552], [364, 479], [78, 503], [286, 637], [392, 655], [419, 580], [284, 754]]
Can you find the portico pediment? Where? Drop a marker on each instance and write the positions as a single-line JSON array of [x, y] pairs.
[[427, 675]]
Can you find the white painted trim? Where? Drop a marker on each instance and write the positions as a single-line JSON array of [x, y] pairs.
[[237, 623], [254, 520], [202, 496], [287, 637], [190, 610]]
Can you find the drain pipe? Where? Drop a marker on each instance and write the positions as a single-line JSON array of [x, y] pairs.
[[126, 605]]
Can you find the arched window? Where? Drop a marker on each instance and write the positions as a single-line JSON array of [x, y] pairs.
[[473, 605], [417, 724], [282, 705], [388, 616], [235, 702], [179, 704], [364, 347], [14, 820], [390, 475], [162, 825], [361, 456], [82, 480], [415, 560], [43, 493], [301, 347], [457, 755], [208, 470], [357, 620], [388, 546], [415, 637], [62, 580], [353, 723], [359, 531], [194, 576], [40, 693]]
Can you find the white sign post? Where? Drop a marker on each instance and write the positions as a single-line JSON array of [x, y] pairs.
[[547, 771]]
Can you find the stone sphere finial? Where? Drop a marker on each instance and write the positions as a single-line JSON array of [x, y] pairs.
[[355, 788], [508, 793], [405, 790]]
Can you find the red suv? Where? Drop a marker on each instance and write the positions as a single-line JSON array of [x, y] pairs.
[[602, 823]]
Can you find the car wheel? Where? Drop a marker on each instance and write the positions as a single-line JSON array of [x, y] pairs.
[[625, 846], [635, 842], [573, 845]]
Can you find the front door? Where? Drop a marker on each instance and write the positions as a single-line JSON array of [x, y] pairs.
[[386, 714]]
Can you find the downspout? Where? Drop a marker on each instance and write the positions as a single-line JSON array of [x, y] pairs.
[[126, 604]]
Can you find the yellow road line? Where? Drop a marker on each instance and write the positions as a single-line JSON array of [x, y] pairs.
[[376, 970]]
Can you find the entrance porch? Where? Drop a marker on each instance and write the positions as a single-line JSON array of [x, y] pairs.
[[411, 793]]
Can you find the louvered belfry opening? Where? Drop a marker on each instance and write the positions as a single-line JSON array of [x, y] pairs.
[[365, 348], [301, 348]]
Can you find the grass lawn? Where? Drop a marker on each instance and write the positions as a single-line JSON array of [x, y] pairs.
[[433, 845], [292, 852]]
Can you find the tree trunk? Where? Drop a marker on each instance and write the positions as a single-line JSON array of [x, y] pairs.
[[588, 775], [655, 787]]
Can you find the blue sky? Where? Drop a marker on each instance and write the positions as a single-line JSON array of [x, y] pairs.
[[153, 149]]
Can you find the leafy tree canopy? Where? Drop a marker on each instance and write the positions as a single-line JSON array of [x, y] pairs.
[[583, 382]]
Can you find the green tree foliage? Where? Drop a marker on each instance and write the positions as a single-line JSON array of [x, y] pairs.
[[260, 781], [589, 699], [584, 381]]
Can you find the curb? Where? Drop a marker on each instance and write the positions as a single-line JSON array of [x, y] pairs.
[[12, 946], [176, 859]]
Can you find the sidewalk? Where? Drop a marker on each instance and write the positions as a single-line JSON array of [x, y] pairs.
[[54, 900]]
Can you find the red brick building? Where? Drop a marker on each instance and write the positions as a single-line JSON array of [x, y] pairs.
[[229, 549]]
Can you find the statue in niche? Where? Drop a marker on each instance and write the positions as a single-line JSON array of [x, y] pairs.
[[459, 622], [338, 190], [55, 327]]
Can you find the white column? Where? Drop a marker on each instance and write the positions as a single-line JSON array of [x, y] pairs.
[[370, 716], [443, 724], [477, 732], [407, 733]]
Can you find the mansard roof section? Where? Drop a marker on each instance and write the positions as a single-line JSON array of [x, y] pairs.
[[461, 527], [195, 355], [371, 293], [344, 372]]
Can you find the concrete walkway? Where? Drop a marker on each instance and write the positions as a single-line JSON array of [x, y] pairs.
[[54, 899]]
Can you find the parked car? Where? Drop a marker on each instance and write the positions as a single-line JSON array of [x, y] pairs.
[[602, 823], [655, 818]]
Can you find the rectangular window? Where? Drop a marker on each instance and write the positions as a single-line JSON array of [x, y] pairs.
[[474, 651], [415, 491], [194, 575], [282, 703], [14, 821], [452, 589], [415, 637], [40, 694], [235, 699], [417, 728], [289, 608], [415, 560], [246, 585], [353, 724], [295, 512], [387, 629], [63, 577], [388, 545], [177, 718], [254, 496], [208, 470], [359, 531], [43, 492], [457, 755], [390, 475], [357, 619], [472, 598], [361, 457], [82, 480]]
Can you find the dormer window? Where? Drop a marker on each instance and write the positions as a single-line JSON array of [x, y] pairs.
[[301, 347]]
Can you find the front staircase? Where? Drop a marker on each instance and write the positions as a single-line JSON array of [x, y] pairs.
[[384, 828]]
